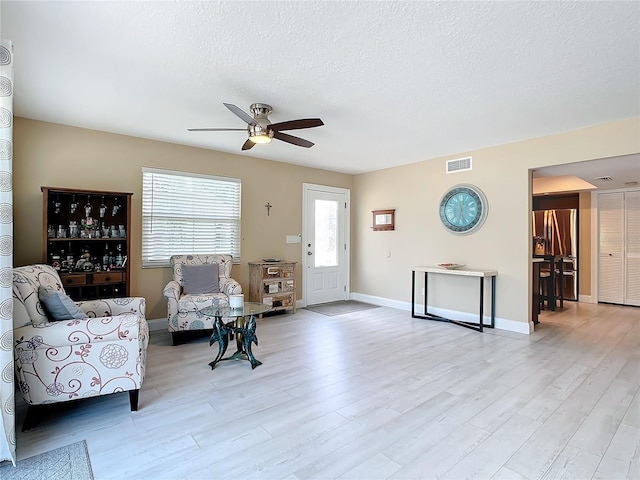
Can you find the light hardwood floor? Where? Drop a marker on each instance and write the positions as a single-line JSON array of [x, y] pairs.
[[376, 394]]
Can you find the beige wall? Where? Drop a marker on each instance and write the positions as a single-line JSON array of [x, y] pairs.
[[382, 261], [60, 156], [55, 155]]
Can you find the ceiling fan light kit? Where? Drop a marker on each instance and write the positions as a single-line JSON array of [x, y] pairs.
[[261, 138], [259, 134], [261, 130]]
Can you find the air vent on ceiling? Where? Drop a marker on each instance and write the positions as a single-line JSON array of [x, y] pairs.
[[604, 179], [459, 165]]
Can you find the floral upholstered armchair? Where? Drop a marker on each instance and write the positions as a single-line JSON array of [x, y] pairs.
[[68, 351], [198, 281]]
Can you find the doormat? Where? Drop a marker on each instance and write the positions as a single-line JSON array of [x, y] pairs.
[[340, 308], [65, 463]]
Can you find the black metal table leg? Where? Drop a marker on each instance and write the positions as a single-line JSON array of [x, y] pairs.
[[493, 302], [551, 289], [413, 293], [561, 289], [479, 327], [481, 315], [426, 291]]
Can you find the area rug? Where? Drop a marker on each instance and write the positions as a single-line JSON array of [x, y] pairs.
[[340, 308], [65, 463]]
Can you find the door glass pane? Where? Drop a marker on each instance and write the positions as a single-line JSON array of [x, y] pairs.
[[326, 233]]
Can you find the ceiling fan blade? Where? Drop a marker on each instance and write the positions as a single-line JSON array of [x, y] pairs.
[[301, 142], [247, 145], [217, 129], [241, 113], [296, 124]]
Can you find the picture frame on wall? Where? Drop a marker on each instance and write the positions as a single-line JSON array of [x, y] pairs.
[[384, 220]]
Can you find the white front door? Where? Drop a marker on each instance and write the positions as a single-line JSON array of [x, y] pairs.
[[325, 244]]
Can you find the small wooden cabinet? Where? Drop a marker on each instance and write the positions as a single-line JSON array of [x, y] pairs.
[[273, 283], [86, 238]]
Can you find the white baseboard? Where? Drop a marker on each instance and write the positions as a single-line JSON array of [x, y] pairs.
[[157, 324], [586, 299], [500, 323], [383, 302]]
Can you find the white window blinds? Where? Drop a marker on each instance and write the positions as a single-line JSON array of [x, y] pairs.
[[185, 213]]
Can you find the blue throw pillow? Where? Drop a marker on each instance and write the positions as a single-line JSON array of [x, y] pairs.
[[200, 279], [58, 305]]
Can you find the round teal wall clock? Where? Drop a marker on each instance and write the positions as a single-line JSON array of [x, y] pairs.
[[463, 209]]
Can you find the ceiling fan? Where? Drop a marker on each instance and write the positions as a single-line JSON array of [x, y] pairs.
[[261, 130]]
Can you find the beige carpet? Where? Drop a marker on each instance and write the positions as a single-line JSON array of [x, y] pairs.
[[65, 463], [340, 308]]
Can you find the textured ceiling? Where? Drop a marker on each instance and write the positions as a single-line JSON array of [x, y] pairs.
[[605, 174], [395, 82]]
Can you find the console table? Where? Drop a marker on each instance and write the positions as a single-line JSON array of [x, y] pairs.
[[481, 274]]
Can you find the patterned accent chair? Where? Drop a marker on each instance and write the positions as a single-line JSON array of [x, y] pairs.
[[183, 310], [58, 361]]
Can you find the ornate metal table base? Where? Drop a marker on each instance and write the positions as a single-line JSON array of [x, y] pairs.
[[245, 334], [244, 330]]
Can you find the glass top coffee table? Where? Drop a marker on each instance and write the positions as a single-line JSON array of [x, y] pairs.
[[242, 325]]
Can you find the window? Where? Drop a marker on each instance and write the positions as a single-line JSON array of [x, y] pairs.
[[185, 213], [326, 227]]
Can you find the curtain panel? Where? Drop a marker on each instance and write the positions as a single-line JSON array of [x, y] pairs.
[[7, 399]]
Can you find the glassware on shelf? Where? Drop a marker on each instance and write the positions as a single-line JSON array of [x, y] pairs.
[[73, 206], [119, 258], [115, 208], [78, 228], [105, 257], [88, 228], [88, 207], [73, 229], [70, 259], [57, 205]]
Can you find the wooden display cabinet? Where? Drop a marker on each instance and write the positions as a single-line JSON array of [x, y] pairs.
[[273, 283], [86, 238]]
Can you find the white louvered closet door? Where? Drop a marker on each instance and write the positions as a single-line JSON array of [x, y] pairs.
[[619, 247], [611, 247], [632, 244]]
